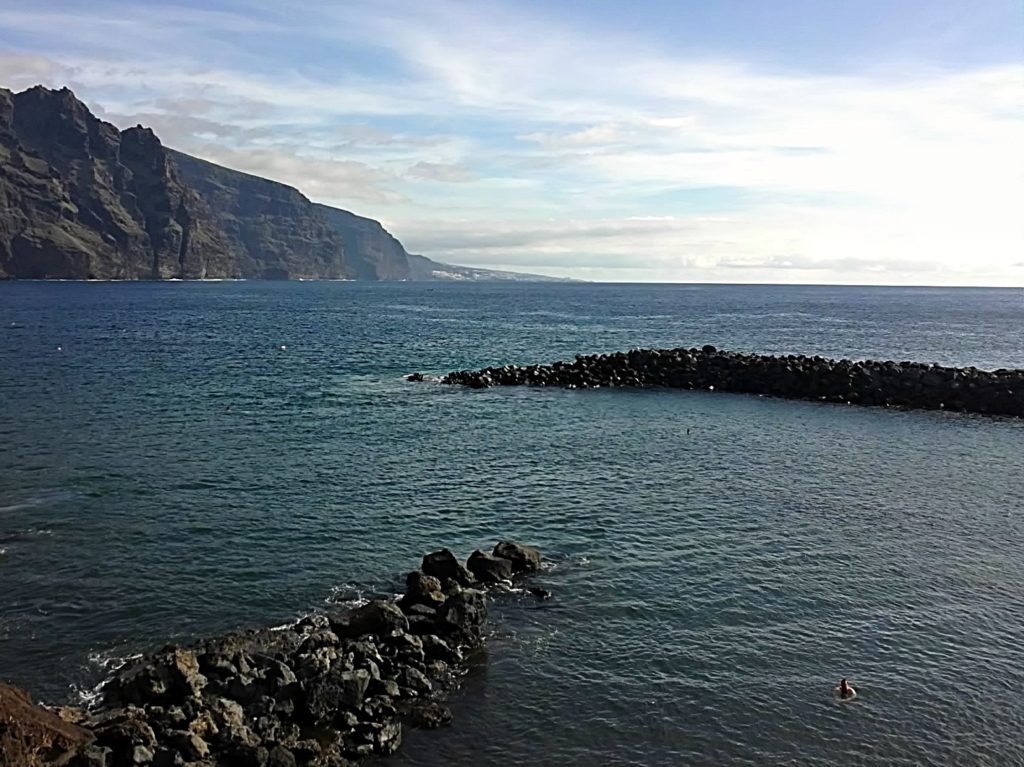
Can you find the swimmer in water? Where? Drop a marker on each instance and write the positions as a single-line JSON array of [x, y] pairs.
[[844, 690]]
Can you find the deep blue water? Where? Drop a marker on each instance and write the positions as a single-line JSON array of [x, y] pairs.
[[181, 459]]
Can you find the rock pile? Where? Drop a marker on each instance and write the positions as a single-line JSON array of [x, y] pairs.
[[326, 692], [866, 382]]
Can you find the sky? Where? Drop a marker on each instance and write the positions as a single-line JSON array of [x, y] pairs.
[[757, 141]]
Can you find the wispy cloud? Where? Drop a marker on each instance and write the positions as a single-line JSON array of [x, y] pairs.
[[506, 137], [441, 171]]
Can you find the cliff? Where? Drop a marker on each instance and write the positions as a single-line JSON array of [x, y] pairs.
[[382, 257], [80, 199], [277, 231]]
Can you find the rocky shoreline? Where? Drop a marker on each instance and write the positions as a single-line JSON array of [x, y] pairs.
[[329, 691], [912, 385]]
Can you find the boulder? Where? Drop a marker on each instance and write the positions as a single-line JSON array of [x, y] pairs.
[[413, 679], [280, 756], [166, 677], [232, 725], [488, 568], [435, 648], [462, 617], [429, 715], [380, 616], [388, 738], [524, 559], [128, 735], [325, 695], [421, 589], [444, 564], [189, 745]]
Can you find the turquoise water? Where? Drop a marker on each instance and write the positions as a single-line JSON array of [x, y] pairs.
[[718, 561]]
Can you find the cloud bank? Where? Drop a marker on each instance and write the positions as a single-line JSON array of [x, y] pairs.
[[506, 138]]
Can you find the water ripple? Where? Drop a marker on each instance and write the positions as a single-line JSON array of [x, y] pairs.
[[717, 562]]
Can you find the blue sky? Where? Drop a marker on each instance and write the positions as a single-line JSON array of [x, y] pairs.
[[786, 141]]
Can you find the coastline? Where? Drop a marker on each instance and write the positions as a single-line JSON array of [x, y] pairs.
[[328, 691]]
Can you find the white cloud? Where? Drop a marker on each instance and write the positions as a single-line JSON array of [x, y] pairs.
[[586, 143], [440, 171], [314, 177]]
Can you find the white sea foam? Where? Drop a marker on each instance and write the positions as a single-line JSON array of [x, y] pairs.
[[109, 663], [350, 594]]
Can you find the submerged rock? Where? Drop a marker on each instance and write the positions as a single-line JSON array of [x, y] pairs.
[[430, 716]]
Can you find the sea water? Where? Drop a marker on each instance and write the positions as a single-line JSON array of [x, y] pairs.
[[178, 460]]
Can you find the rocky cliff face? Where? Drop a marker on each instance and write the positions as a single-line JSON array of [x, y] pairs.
[[381, 256], [80, 199], [279, 232]]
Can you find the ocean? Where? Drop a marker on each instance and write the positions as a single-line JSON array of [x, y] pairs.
[[183, 459]]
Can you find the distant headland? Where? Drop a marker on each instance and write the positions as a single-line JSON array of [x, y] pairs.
[[84, 200]]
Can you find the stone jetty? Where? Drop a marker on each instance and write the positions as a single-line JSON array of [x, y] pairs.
[[329, 691], [862, 382]]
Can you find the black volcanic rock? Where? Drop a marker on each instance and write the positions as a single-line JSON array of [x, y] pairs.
[[488, 568], [294, 696], [864, 382]]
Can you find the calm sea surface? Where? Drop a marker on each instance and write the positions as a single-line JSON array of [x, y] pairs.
[[181, 459]]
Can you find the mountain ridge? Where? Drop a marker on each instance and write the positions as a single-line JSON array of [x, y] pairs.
[[81, 199]]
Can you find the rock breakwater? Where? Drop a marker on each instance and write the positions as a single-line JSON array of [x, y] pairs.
[[863, 382], [329, 691]]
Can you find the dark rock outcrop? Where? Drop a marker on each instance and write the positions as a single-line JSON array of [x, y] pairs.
[[326, 692], [488, 568], [866, 382], [524, 559], [422, 589], [444, 565]]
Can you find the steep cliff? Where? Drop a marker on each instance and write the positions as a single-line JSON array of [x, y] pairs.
[[381, 256], [81, 200], [280, 233]]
